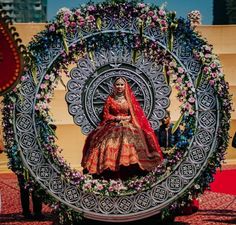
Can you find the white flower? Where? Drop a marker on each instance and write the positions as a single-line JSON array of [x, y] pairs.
[[63, 10]]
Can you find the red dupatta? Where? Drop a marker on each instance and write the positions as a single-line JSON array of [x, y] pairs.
[[140, 120]]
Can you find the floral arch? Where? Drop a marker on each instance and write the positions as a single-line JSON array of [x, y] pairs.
[[178, 55]]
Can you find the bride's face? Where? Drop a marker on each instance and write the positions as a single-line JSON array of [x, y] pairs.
[[119, 86]]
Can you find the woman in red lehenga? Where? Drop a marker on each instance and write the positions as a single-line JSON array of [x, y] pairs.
[[124, 144]]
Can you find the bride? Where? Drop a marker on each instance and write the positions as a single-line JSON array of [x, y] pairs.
[[124, 144]]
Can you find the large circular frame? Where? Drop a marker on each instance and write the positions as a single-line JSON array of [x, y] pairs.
[[141, 204]]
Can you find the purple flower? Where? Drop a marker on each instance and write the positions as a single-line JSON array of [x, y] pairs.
[[91, 8], [52, 28]]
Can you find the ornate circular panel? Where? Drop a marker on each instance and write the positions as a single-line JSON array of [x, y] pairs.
[[90, 86]]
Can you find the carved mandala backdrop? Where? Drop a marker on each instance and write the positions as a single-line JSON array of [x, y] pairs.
[[90, 83]]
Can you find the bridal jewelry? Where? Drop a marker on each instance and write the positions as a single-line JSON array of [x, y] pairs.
[[120, 98]]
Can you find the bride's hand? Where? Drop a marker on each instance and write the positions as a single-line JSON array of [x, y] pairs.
[[127, 118], [120, 118]]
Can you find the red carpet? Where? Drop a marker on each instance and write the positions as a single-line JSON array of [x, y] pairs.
[[225, 182], [216, 207], [10, 211]]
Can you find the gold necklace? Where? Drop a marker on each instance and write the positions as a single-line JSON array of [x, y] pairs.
[[120, 98]]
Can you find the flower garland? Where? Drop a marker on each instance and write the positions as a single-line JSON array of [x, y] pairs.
[[88, 18], [211, 73]]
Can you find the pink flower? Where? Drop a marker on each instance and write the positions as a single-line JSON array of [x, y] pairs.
[[23, 78], [207, 48], [172, 64], [163, 29], [150, 13], [154, 18], [174, 76], [191, 112], [111, 188], [207, 56], [77, 12], [177, 87], [143, 16], [91, 8], [43, 86], [187, 106], [87, 186], [47, 77], [100, 187], [44, 106], [47, 97], [162, 12], [180, 70], [38, 96], [191, 99], [163, 22], [81, 21], [213, 65], [179, 80], [213, 75], [152, 24], [67, 13], [212, 82], [206, 69], [67, 23], [141, 5], [184, 93], [73, 24], [90, 18], [66, 18], [189, 84]]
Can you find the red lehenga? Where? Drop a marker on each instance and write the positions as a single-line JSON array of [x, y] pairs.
[[126, 143]]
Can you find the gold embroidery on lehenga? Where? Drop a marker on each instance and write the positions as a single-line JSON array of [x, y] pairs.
[[117, 143]]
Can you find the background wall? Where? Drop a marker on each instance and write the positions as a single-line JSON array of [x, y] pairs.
[[70, 138]]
